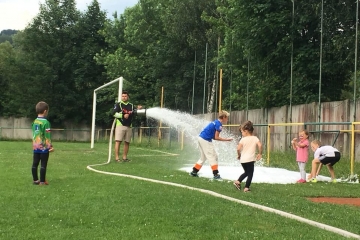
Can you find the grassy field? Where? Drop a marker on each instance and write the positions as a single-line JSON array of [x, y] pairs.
[[82, 204]]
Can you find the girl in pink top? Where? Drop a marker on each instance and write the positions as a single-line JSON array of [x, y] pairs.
[[301, 146]]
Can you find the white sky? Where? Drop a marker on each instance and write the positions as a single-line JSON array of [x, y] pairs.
[[16, 14]]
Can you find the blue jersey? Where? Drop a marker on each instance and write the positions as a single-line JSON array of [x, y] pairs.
[[208, 133]]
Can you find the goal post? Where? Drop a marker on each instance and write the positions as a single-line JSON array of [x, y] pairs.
[[120, 80]]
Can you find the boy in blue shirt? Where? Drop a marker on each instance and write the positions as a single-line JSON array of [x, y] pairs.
[[206, 146]]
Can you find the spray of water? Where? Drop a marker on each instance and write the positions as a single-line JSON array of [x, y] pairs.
[[192, 127], [230, 166]]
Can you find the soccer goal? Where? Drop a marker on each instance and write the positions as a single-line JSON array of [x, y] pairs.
[[120, 80]]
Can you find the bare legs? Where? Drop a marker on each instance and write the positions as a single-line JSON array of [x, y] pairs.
[[314, 164], [315, 171], [126, 150], [117, 149], [331, 170]]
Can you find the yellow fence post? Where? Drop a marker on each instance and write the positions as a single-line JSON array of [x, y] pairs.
[[268, 146], [352, 148], [161, 106], [140, 137]]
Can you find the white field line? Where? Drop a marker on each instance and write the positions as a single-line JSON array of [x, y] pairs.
[[153, 155], [167, 153], [264, 208]]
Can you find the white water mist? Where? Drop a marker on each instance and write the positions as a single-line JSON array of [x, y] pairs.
[[192, 127], [230, 167]]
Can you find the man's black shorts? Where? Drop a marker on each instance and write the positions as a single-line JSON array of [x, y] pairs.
[[331, 160]]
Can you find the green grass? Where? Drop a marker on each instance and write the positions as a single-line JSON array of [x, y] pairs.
[[81, 204]]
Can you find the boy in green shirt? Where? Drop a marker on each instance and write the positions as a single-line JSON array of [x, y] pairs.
[[41, 143]]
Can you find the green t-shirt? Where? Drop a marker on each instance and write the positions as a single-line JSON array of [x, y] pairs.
[[41, 133]]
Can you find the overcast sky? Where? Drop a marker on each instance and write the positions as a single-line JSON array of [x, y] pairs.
[[16, 14]]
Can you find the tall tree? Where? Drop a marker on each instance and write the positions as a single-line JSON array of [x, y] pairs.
[[258, 38], [58, 49], [6, 58], [48, 42], [154, 45], [88, 74]]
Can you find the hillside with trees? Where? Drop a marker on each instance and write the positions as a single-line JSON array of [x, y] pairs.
[[6, 35]]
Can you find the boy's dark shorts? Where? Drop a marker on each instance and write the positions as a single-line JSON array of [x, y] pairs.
[[331, 160]]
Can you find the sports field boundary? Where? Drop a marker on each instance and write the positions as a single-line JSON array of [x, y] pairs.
[[254, 205]]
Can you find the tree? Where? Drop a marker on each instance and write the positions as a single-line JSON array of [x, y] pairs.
[[153, 44], [87, 74], [58, 48], [6, 58]]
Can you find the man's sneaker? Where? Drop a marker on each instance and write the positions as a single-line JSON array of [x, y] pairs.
[[37, 182], [333, 180], [313, 180], [237, 185], [43, 183], [217, 177]]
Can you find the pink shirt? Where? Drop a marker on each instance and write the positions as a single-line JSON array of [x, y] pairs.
[[302, 153]]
